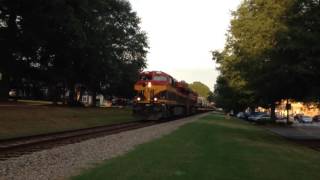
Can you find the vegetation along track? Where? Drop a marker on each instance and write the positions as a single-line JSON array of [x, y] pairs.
[[24, 145]]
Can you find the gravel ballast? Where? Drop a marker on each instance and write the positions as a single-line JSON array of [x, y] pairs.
[[66, 161]]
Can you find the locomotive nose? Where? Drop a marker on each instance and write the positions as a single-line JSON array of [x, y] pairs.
[[147, 84]]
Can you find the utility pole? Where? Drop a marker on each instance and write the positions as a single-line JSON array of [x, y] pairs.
[[288, 107]]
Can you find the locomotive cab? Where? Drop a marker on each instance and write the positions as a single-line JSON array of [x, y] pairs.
[[151, 86], [161, 96]]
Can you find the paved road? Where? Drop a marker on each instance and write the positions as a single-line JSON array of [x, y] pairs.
[[298, 131]]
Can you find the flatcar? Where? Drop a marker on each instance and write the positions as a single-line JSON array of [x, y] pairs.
[[159, 96]]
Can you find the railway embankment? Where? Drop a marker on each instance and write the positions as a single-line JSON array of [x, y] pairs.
[[19, 120], [214, 147], [69, 160]]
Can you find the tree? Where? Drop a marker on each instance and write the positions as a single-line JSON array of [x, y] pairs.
[[300, 43], [93, 43], [249, 60], [210, 97], [228, 97], [272, 49], [200, 88], [9, 32], [119, 48]]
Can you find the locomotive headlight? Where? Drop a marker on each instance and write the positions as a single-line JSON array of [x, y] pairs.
[[149, 84], [155, 99], [138, 98]]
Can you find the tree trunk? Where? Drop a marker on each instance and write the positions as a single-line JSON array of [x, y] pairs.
[[64, 91], [4, 87], [252, 109], [71, 99], [273, 111], [81, 94], [54, 94], [94, 98], [287, 107]]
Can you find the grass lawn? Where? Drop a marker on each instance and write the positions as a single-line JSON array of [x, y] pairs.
[[30, 120], [213, 148]]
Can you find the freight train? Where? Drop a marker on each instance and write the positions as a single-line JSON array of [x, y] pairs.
[[159, 95]]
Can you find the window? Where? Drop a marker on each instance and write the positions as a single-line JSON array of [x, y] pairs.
[[160, 78], [145, 78]]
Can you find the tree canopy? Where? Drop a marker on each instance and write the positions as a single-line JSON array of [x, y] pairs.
[[272, 53], [96, 43]]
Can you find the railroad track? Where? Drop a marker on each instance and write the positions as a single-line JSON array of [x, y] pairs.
[[26, 145]]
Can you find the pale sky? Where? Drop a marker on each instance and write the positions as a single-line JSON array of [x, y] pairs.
[[181, 34]]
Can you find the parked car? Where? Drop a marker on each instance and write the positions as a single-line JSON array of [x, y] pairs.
[[297, 117], [281, 120], [259, 117], [242, 115], [316, 118], [284, 120], [305, 119]]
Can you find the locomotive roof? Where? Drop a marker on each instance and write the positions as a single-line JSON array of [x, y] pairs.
[[152, 73], [179, 84]]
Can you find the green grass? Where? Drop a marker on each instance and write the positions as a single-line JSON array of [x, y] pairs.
[[31, 120], [213, 148]]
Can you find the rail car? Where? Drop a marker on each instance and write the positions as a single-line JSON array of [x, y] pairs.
[[159, 95]]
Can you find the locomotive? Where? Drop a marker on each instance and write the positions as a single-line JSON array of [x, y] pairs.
[[159, 95]]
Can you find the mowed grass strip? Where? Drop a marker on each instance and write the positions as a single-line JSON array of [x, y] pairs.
[[31, 120], [213, 148]]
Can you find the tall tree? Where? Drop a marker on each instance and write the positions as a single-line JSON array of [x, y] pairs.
[[231, 91], [300, 44], [210, 97], [230, 98], [271, 46], [9, 33], [73, 41]]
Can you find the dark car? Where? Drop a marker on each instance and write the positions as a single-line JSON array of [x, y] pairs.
[[316, 118], [303, 119], [298, 117]]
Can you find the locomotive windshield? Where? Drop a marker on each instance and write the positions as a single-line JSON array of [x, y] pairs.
[[145, 78], [159, 78], [154, 78]]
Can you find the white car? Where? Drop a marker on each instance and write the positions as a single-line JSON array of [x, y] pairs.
[[259, 117], [241, 115], [305, 119]]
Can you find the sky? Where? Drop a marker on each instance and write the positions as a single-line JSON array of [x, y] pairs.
[[182, 33]]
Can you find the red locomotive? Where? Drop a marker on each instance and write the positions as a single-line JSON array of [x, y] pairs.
[[159, 95]]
